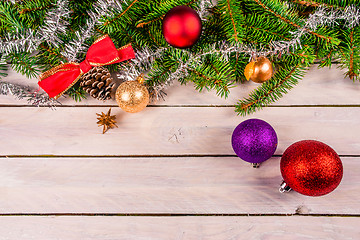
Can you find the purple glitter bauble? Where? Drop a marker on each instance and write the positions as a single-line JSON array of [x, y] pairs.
[[254, 141]]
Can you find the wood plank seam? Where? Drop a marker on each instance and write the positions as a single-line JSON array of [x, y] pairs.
[[188, 106], [178, 215], [144, 156]]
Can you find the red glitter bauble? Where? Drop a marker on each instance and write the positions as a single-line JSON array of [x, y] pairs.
[[311, 168], [181, 27]]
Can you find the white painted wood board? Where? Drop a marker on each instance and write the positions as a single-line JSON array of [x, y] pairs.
[[183, 185], [175, 228], [201, 177], [169, 131], [319, 87]]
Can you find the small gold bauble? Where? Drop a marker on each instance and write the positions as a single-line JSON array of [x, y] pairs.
[[259, 71], [249, 70], [132, 96]]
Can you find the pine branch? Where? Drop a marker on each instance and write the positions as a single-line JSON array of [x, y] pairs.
[[164, 67], [120, 26], [314, 3], [271, 91], [211, 73], [142, 24], [286, 17], [202, 81], [34, 11], [157, 10], [119, 16], [213, 30], [336, 3], [144, 60], [262, 29], [76, 92], [3, 68], [53, 52], [306, 3], [10, 17], [232, 19], [350, 53], [34, 6], [351, 73], [238, 63], [24, 63]]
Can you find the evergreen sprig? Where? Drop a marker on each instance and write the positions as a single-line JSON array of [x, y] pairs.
[[77, 93], [24, 63], [350, 52], [269, 92], [3, 68], [232, 19]]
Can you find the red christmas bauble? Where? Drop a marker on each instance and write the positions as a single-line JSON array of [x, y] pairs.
[[181, 27], [311, 168]]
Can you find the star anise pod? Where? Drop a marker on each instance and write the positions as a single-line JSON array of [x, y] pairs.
[[106, 120]]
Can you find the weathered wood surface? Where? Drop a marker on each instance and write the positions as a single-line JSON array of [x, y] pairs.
[[169, 131], [174, 158], [182, 185], [175, 228], [319, 87]]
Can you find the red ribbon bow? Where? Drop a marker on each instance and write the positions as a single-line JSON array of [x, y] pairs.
[[102, 52]]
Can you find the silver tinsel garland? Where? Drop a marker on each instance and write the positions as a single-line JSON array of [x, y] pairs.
[[28, 40], [77, 46], [21, 92], [321, 17], [15, 1], [146, 57], [56, 23], [142, 62]]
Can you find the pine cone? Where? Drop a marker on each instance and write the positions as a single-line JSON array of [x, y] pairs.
[[98, 83]]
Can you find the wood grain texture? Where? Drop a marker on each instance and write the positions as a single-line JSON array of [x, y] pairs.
[[319, 87], [175, 228], [167, 131], [201, 185], [215, 183]]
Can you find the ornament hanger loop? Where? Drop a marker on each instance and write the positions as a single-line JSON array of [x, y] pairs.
[[255, 165], [284, 187], [254, 56], [141, 78]]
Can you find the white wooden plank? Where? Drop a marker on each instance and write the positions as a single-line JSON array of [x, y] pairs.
[[174, 228], [319, 86], [170, 131], [201, 185]]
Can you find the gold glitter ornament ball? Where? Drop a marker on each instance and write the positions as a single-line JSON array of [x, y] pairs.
[[259, 71], [132, 96]]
